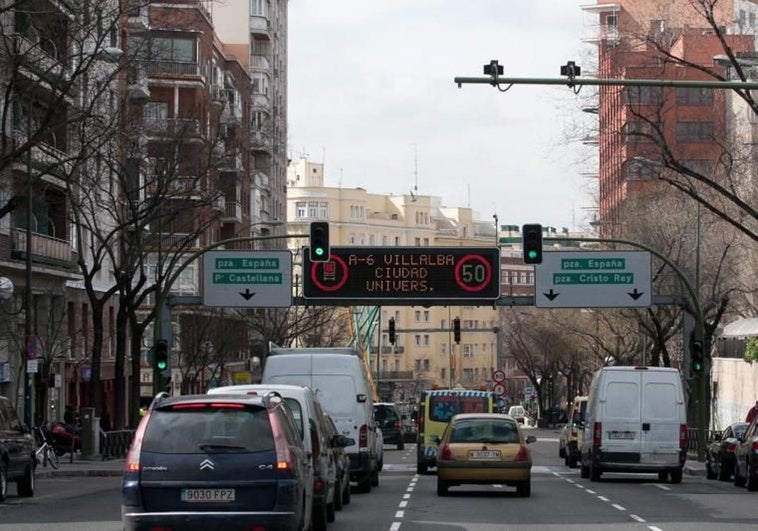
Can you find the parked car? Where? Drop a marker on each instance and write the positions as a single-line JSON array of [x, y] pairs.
[[484, 448], [17, 460], [342, 462], [311, 423], [390, 421], [719, 458], [518, 413], [570, 439], [217, 461], [746, 458]]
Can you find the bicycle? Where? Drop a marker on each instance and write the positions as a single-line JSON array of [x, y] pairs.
[[45, 453]]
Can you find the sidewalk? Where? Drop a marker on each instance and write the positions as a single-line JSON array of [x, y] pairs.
[[692, 467], [91, 466]]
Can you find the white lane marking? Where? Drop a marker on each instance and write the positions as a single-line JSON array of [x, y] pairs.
[[399, 514], [662, 487], [579, 485], [635, 517], [617, 506], [653, 528], [590, 491], [403, 504], [603, 498], [409, 489], [395, 526], [570, 480], [406, 496]]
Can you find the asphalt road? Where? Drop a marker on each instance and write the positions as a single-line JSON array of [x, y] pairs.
[[408, 502]]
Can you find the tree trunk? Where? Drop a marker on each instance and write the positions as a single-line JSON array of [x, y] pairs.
[[120, 417]]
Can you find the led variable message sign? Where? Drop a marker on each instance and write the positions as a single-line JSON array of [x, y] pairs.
[[404, 273]]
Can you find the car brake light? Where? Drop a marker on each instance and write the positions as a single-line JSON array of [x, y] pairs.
[[283, 456], [731, 447], [445, 452], [131, 464], [397, 424], [523, 454], [597, 433], [682, 436], [754, 446], [363, 437]]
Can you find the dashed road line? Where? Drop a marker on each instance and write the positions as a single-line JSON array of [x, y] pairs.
[[635, 517], [617, 506]]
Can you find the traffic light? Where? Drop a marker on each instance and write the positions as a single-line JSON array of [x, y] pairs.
[[698, 363], [531, 243], [319, 243], [161, 356], [392, 330], [457, 329]]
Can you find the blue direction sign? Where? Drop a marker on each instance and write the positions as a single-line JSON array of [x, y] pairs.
[[247, 279], [593, 279]]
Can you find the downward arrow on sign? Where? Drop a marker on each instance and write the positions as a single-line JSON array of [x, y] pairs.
[[247, 295], [551, 294], [636, 294]]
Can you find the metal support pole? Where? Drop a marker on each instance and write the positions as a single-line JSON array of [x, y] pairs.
[[28, 299]]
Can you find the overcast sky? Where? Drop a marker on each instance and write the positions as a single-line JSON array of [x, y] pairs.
[[371, 95]]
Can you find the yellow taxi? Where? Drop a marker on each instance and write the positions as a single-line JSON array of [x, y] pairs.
[[484, 449]]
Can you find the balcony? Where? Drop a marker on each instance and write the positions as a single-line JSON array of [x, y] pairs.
[[232, 113], [232, 212], [172, 126], [44, 248], [138, 89], [230, 162], [41, 57], [171, 68], [261, 179], [219, 94], [173, 240], [393, 350], [260, 25], [259, 62], [396, 375], [260, 141], [260, 100], [45, 157]]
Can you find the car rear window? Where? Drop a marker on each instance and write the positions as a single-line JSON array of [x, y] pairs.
[[492, 431], [179, 429]]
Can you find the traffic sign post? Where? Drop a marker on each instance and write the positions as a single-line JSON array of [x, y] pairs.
[[404, 275], [593, 279], [247, 279]]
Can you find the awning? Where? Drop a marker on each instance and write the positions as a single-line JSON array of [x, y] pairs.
[[740, 328]]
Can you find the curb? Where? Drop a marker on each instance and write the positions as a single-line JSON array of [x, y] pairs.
[[78, 473]]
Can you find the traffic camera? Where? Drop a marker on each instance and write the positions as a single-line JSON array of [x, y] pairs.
[[319, 241], [531, 243]]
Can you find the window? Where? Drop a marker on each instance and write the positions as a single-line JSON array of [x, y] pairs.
[[611, 21], [174, 49], [694, 96], [639, 132], [259, 83], [639, 170], [694, 131], [301, 209], [259, 8], [156, 116], [643, 95]]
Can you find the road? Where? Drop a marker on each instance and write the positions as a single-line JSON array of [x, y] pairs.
[[405, 501]]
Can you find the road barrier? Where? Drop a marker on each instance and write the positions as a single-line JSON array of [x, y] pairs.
[[115, 444]]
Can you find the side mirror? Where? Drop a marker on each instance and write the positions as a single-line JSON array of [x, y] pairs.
[[530, 439], [436, 439], [361, 398]]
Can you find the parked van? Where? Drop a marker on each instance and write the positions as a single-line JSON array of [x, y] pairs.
[[570, 439], [340, 380], [435, 408], [312, 426], [635, 422]]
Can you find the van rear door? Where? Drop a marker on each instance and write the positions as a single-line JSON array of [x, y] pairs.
[[621, 416], [662, 404]]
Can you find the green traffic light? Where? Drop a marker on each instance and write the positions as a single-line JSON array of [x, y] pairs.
[[319, 251], [162, 365], [532, 254]]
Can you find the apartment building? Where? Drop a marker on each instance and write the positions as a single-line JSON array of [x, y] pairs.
[[691, 120]]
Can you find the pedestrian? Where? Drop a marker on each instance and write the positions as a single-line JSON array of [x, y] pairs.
[[105, 420], [752, 413]]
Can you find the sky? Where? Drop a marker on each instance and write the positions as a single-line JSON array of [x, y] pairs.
[[371, 95]]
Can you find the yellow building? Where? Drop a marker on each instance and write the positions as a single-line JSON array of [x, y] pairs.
[[425, 353]]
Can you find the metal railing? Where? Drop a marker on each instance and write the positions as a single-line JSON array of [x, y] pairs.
[[692, 439], [115, 444]]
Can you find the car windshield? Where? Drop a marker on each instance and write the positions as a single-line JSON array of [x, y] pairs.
[[484, 431], [443, 407], [209, 429], [739, 430]]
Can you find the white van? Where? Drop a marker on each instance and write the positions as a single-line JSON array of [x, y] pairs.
[[635, 422], [339, 378]]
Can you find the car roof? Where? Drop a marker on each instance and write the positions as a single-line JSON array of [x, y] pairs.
[[207, 399], [474, 416], [288, 390]]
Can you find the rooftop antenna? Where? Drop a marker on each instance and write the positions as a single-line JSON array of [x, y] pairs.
[[414, 191]]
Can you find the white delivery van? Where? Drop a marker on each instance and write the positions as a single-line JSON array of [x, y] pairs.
[[340, 380], [635, 422]]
